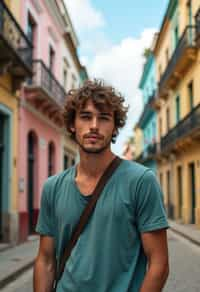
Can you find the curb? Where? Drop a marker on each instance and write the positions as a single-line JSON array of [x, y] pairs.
[[11, 277], [2, 249], [194, 241]]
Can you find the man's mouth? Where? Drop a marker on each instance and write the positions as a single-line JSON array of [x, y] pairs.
[[92, 137]]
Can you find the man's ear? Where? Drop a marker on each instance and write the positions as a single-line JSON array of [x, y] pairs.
[[72, 129], [114, 132]]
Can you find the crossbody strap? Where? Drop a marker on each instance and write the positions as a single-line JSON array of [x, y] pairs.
[[87, 212]]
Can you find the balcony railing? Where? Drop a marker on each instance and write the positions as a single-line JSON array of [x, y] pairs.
[[151, 149], [148, 154], [187, 41], [44, 79], [183, 129], [146, 108], [14, 44], [197, 20]]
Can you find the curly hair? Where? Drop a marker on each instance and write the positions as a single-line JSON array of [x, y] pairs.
[[103, 96]]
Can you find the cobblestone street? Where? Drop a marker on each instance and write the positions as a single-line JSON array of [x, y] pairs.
[[184, 269]]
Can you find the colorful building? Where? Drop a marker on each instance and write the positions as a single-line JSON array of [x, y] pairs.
[[147, 120], [15, 66], [45, 148], [177, 55], [138, 142]]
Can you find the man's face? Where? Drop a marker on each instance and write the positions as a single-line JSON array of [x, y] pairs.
[[93, 128]]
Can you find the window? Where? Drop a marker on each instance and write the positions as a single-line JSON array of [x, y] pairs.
[[161, 180], [176, 36], [51, 58], [65, 161], [73, 81], [177, 109], [31, 30], [160, 71], [65, 78], [168, 187], [168, 119], [190, 94], [167, 56], [51, 158], [160, 127], [197, 23]]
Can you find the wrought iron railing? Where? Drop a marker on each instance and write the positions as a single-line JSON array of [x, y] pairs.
[[44, 78], [183, 128], [197, 22], [12, 34], [151, 149], [188, 39], [146, 107]]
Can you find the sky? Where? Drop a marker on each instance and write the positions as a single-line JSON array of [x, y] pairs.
[[113, 35]]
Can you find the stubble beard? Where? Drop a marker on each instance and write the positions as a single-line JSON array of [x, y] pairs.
[[94, 150]]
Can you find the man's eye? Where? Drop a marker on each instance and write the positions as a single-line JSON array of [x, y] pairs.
[[104, 118], [85, 117]]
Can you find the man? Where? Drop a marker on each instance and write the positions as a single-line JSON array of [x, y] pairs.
[[123, 248]]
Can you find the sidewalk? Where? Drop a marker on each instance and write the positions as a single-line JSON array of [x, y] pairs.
[[188, 231], [15, 260]]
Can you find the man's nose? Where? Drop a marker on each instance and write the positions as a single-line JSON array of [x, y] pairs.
[[94, 123]]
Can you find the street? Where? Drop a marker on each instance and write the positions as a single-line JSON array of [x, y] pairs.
[[184, 269]]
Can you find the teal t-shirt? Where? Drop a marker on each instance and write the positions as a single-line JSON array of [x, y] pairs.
[[108, 256]]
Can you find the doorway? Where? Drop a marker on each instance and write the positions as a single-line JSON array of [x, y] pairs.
[[31, 178], [180, 191], [2, 151], [192, 190]]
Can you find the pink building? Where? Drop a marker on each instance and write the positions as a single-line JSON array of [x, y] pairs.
[[41, 103]]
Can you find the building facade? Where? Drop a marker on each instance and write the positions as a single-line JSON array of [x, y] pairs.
[[45, 148], [177, 55], [15, 67], [148, 120]]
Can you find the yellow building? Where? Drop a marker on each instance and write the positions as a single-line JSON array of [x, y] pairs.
[[177, 54], [15, 65], [138, 141]]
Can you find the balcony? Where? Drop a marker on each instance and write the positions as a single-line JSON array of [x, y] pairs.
[[15, 48], [184, 133], [182, 58], [148, 154], [45, 91], [154, 101], [151, 150], [147, 111]]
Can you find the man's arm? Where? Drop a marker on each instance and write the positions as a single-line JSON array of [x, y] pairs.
[[45, 265], [156, 250]]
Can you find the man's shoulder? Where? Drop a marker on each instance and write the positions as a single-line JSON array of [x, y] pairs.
[[133, 169], [55, 180]]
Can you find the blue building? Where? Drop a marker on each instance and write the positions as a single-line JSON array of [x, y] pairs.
[[147, 121]]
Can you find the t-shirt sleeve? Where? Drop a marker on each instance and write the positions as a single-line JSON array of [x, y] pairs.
[[150, 211], [45, 225]]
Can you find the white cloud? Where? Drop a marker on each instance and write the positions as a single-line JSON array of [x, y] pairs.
[[84, 15], [118, 64], [121, 65]]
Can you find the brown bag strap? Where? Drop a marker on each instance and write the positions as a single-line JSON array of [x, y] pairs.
[[87, 212]]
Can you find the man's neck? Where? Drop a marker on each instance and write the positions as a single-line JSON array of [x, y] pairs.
[[93, 165]]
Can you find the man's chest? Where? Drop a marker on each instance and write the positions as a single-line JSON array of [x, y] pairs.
[[113, 207]]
